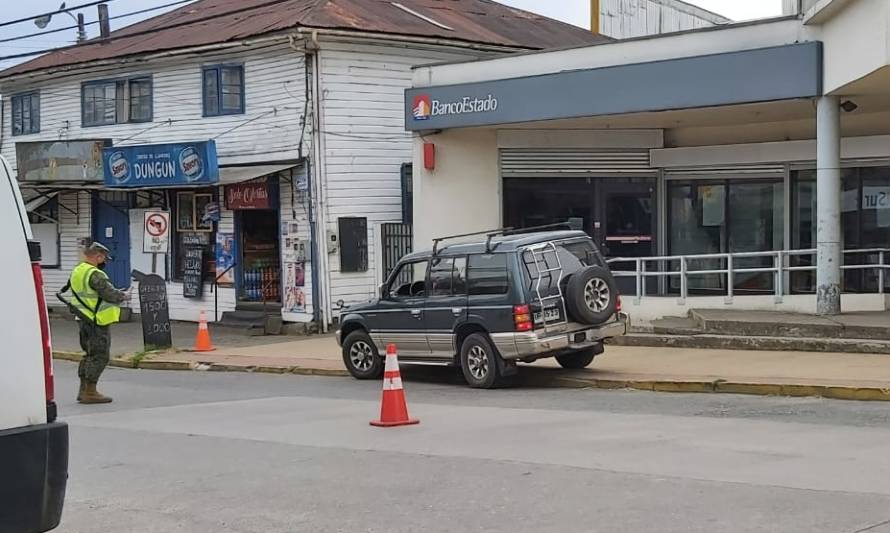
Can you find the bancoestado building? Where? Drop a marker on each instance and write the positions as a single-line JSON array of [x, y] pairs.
[[772, 136]]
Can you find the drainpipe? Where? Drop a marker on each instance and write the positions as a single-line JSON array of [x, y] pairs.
[[828, 206], [318, 186]]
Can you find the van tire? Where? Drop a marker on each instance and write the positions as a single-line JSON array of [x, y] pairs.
[[479, 362], [591, 295]]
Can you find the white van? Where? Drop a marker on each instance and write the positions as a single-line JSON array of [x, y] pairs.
[[33, 444]]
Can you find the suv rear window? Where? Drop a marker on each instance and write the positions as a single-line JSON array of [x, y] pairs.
[[487, 274], [573, 255]]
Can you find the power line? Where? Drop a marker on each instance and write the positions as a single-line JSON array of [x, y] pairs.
[[51, 13], [154, 30], [93, 23]]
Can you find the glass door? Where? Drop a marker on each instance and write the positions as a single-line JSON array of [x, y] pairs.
[[726, 216]]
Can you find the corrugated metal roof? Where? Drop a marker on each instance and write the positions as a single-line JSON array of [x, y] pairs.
[[218, 21]]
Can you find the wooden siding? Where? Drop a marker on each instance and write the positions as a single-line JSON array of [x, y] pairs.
[[366, 144]]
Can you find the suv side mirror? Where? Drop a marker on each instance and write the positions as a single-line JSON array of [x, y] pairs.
[[381, 291]]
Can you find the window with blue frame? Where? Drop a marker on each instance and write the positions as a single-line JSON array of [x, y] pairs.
[[116, 101], [26, 114], [223, 90]]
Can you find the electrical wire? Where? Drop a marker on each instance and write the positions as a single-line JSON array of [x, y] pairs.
[[130, 35], [94, 22], [51, 13]]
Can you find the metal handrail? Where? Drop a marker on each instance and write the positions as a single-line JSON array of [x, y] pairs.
[[778, 268], [214, 288]]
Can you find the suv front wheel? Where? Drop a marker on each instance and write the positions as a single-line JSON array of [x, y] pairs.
[[479, 362], [360, 356]]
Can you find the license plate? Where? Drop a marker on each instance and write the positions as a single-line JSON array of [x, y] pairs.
[[549, 315]]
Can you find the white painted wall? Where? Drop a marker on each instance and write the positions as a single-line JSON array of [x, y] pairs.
[[365, 144], [266, 132], [857, 42], [463, 193], [772, 152], [643, 311], [623, 19]]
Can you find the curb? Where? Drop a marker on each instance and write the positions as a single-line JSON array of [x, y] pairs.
[[871, 394], [75, 357]]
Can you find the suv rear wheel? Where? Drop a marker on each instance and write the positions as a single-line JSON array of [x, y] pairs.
[[578, 360], [592, 295], [361, 357], [479, 362]]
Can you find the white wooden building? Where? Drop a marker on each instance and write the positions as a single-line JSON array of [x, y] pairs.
[[311, 104]]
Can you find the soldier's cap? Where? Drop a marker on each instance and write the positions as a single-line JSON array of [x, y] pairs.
[[98, 248]]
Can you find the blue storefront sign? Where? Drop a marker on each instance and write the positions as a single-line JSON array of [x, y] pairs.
[[161, 165]]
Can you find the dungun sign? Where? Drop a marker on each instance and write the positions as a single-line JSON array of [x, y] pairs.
[[161, 165]]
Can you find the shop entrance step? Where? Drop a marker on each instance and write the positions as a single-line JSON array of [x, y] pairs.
[[766, 330], [254, 323]]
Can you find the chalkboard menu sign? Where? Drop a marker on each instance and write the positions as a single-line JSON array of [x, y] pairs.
[[156, 333], [193, 273]]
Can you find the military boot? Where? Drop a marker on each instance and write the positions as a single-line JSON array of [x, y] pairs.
[[83, 385], [91, 395]]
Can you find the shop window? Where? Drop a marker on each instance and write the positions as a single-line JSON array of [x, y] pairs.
[[487, 274], [45, 228], [726, 216], [353, 244], [26, 114], [407, 193], [223, 90], [116, 101], [194, 228]]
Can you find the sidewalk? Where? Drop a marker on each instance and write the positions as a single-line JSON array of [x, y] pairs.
[[842, 376]]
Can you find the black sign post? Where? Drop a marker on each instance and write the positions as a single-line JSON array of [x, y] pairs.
[[156, 331], [193, 275]]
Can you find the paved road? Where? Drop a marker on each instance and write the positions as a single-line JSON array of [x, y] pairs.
[[206, 452]]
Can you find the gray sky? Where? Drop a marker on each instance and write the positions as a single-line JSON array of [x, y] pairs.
[[572, 11]]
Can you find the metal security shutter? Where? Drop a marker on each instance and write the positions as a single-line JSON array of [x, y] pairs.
[[574, 163], [745, 171]]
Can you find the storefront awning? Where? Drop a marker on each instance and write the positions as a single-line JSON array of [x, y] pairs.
[[35, 203], [232, 175]]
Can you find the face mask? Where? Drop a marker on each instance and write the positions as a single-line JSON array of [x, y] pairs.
[[102, 265]]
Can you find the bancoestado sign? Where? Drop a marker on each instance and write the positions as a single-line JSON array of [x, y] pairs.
[[747, 76], [161, 165]]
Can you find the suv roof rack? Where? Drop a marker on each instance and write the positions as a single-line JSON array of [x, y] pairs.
[[574, 223], [488, 233]]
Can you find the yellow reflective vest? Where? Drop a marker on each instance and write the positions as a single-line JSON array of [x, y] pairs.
[[87, 300]]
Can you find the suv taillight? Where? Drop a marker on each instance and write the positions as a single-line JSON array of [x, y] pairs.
[[522, 317], [45, 339]]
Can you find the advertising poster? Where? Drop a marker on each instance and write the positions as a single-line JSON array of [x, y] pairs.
[[295, 280], [225, 257]]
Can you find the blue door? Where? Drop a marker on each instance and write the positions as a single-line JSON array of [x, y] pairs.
[[111, 227]]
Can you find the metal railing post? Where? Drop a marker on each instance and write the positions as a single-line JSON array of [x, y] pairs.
[[730, 279], [881, 266], [780, 276], [642, 291], [684, 287], [640, 266]]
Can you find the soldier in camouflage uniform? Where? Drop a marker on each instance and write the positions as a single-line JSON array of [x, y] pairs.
[[97, 305]]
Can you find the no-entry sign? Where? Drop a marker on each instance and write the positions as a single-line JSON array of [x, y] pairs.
[[156, 239]]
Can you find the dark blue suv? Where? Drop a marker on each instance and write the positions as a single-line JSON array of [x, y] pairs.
[[487, 305]]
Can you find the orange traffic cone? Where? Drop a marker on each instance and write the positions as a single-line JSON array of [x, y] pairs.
[[202, 341], [393, 409]]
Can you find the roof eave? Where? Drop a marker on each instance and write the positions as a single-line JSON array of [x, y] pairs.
[[287, 35]]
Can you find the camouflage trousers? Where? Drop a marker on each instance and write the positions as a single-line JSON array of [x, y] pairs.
[[96, 344]]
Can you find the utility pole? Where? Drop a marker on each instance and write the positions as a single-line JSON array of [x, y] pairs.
[[104, 21]]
